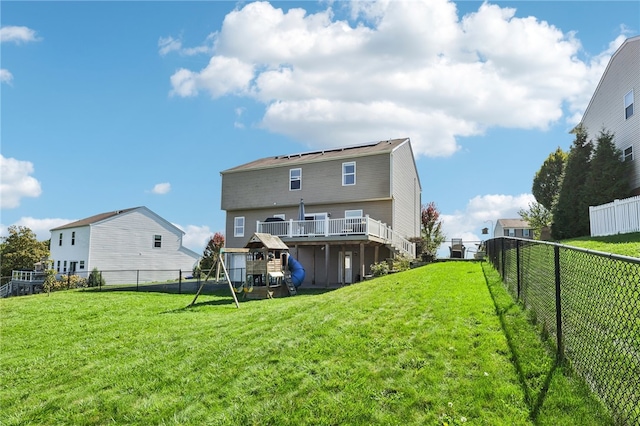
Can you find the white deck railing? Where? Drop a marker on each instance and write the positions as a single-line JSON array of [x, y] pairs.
[[27, 276], [618, 217], [339, 227]]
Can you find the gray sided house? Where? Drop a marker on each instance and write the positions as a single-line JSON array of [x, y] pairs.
[[612, 106], [361, 205], [513, 228], [128, 245]]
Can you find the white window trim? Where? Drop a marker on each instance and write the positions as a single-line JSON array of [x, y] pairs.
[[630, 155], [627, 104], [345, 174], [353, 213], [237, 227], [291, 180]]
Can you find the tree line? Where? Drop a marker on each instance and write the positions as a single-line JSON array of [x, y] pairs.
[[567, 183]]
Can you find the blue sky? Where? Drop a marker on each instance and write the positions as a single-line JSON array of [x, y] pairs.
[[111, 105]]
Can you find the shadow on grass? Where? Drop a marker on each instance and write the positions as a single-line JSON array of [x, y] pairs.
[[534, 395]]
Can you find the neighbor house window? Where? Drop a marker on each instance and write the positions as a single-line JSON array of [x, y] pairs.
[[628, 105], [628, 154], [349, 173], [60, 240], [157, 241], [238, 226], [64, 266], [73, 238], [511, 232], [352, 213], [82, 264], [295, 179], [525, 233], [58, 268]]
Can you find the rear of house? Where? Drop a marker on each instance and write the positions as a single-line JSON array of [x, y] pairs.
[[361, 205]]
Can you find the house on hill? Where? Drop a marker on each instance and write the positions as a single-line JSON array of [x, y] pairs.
[[338, 210], [127, 246], [612, 106], [513, 228]]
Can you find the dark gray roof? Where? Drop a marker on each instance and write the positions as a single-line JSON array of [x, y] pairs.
[[93, 219], [381, 147]]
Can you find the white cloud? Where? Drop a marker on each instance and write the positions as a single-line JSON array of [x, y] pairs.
[[169, 44], [17, 34], [482, 211], [195, 237], [16, 182], [5, 76], [400, 68], [41, 227], [161, 188]]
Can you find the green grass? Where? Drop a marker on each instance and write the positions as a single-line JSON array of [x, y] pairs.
[[435, 345], [623, 244]]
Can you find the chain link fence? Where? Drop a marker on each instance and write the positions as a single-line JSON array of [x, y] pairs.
[[588, 304]]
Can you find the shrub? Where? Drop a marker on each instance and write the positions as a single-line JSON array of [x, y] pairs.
[[95, 279], [401, 263], [379, 269]]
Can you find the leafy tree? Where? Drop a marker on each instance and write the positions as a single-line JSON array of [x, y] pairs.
[[546, 183], [609, 176], [21, 250], [211, 251], [431, 230], [571, 211], [538, 217]]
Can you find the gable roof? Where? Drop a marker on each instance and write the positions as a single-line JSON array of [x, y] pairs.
[[381, 147], [513, 223], [625, 44], [91, 220], [267, 241]]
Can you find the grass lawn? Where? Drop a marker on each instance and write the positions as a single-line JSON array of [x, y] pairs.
[[440, 344], [624, 244]]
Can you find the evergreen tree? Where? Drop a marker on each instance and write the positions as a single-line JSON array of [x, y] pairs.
[[547, 181], [609, 175], [571, 211]]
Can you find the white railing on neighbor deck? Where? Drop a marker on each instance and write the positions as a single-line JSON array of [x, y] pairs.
[[618, 217], [339, 227]]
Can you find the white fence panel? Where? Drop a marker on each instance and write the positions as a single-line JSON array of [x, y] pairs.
[[617, 217]]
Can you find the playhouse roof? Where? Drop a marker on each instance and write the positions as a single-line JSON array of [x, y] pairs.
[[267, 241]]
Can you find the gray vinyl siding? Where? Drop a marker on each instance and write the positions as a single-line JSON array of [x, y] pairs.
[[321, 184], [406, 192], [606, 109]]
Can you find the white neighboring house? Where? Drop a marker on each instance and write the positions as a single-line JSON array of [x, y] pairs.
[[127, 246], [612, 106]]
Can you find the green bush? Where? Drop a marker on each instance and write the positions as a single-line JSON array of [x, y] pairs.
[[95, 279], [379, 269], [401, 263]]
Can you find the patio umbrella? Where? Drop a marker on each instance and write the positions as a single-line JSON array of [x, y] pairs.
[[301, 210]]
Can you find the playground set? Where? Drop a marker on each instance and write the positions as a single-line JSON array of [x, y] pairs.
[[263, 269]]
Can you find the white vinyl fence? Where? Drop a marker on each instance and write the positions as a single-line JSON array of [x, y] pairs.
[[618, 217]]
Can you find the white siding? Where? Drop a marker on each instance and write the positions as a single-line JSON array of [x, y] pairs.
[[71, 253], [606, 109]]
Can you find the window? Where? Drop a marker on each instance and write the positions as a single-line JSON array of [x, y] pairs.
[[511, 232], [157, 241], [349, 173], [58, 268], [353, 213], [60, 240], [526, 233], [628, 105], [238, 226], [628, 154], [295, 180], [82, 264], [65, 266], [73, 238]]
